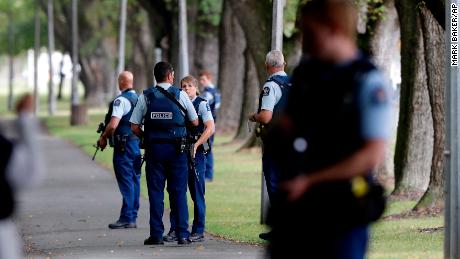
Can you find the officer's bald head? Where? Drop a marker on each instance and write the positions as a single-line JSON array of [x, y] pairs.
[[125, 80]]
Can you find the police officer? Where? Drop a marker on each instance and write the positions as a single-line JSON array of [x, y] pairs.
[[337, 121], [165, 110], [199, 137], [21, 166], [271, 102], [126, 152], [212, 95]]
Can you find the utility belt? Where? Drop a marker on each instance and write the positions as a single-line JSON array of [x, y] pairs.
[[118, 142], [261, 130], [193, 138], [180, 143]]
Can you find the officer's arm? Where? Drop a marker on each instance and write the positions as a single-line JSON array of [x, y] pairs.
[[264, 116], [194, 122], [111, 127], [191, 113], [359, 163], [136, 130], [208, 121], [137, 115]]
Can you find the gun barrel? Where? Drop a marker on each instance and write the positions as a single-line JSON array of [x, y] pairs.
[[95, 152]]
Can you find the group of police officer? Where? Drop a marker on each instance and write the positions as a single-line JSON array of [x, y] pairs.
[[323, 133], [174, 127]]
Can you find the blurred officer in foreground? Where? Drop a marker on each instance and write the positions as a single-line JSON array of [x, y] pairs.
[[272, 101], [165, 111], [211, 94], [337, 122], [126, 152], [198, 145], [20, 167]]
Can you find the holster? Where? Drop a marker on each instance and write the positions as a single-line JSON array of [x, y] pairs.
[[120, 143], [181, 145]]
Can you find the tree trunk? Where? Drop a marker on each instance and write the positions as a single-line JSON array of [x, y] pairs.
[[36, 54], [51, 95], [384, 50], [435, 54], [232, 44], [256, 16], [414, 143], [10, 55], [142, 60], [250, 97], [96, 60]]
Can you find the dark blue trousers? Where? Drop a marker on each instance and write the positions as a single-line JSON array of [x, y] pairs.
[[164, 163], [127, 167], [210, 161], [271, 175], [196, 185]]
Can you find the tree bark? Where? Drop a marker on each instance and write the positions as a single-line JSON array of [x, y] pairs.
[[142, 59], [256, 16], [414, 143], [435, 54], [51, 95], [97, 63], [384, 49], [250, 97], [232, 44], [10, 55]]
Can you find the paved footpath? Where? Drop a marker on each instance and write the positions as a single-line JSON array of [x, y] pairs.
[[67, 216]]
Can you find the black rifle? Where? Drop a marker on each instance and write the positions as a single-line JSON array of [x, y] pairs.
[[100, 129], [191, 160]]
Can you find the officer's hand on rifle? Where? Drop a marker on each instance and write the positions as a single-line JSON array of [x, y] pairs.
[[102, 142]]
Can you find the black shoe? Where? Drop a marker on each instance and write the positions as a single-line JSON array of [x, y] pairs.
[[266, 236], [196, 237], [120, 225], [184, 241], [170, 237], [153, 241]]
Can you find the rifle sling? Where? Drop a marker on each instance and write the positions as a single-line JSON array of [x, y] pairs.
[[172, 98]]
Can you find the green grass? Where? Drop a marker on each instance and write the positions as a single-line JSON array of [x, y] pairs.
[[233, 198]]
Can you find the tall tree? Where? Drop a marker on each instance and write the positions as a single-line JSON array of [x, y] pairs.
[[36, 54], [97, 44], [232, 46], [383, 35], [122, 37], [10, 55], [141, 58], [414, 145], [435, 58], [256, 17], [51, 95]]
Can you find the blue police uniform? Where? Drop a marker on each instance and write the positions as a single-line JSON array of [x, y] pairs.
[[126, 155], [164, 130], [334, 110], [196, 181], [273, 98], [212, 95]]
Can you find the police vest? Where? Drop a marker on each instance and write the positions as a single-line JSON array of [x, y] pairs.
[[200, 128], [284, 83], [6, 193], [326, 119], [124, 126], [215, 100], [163, 120], [325, 110]]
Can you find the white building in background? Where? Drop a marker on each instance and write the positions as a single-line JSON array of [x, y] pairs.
[[23, 80], [43, 69]]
